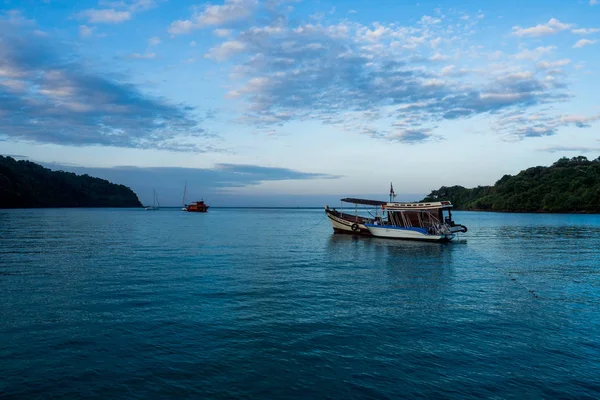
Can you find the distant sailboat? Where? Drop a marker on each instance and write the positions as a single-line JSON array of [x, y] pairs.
[[155, 204], [183, 205]]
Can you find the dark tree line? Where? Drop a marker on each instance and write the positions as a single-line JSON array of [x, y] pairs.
[[24, 184], [569, 185]]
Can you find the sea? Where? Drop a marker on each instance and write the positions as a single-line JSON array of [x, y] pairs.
[[270, 304]]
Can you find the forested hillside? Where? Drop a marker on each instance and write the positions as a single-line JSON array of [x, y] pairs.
[[569, 185], [24, 184]]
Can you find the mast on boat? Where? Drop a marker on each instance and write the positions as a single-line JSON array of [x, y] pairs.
[[183, 206], [155, 204]]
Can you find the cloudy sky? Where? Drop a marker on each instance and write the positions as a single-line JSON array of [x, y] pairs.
[[294, 101]]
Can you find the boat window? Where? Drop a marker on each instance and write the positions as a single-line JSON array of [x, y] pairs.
[[447, 215]]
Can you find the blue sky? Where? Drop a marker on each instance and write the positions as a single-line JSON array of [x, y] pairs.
[[298, 100]]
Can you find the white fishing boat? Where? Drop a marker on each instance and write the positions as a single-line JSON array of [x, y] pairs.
[[417, 221], [414, 221], [155, 204]]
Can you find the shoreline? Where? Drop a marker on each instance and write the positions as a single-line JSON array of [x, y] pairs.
[[293, 208], [532, 212]]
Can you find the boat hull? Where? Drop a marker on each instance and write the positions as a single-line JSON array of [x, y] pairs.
[[392, 232], [342, 223], [198, 210]]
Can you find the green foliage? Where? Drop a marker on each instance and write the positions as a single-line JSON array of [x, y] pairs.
[[569, 185], [24, 184]]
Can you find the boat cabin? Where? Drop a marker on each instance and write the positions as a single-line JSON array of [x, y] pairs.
[[198, 206], [419, 215]]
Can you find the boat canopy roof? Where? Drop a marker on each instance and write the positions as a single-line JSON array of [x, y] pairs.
[[364, 201], [417, 206]]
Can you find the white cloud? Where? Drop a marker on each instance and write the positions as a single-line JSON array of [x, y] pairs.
[[115, 12], [495, 55], [105, 16], [140, 5], [222, 32], [585, 31], [226, 50], [231, 10], [8, 71], [593, 2], [215, 15], [439, 57], [85, 31], [534, 54], [428, 20], [131, 5], [15, 17], [521, 124], [410, 136], [580, 120], [193, 43], [552, 27], [280, 74], [180, 27], [447, 70], [435, 43], [85, 108], [139, 56], [154, 41], [553, 64], [583, 42], [14, 85], [571, 149]]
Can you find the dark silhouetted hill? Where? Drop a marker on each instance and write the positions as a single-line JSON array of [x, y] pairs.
[[569, 185], [24, 184]]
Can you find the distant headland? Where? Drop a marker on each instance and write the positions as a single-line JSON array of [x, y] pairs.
[[24, 184], [568, 186]]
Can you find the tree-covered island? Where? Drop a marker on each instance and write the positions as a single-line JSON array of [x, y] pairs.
[[24, 184], [567, 186]]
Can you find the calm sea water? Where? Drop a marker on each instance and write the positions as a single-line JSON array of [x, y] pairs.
[[242, 303]]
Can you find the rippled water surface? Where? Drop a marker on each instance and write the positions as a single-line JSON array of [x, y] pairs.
[[248, 303]]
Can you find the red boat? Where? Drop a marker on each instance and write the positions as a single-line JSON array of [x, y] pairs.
[[198, 206]]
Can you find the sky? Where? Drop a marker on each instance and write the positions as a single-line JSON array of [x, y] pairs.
[[297, 103]]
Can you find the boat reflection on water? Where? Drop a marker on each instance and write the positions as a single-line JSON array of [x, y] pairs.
[[412, 268], [406, 247]]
